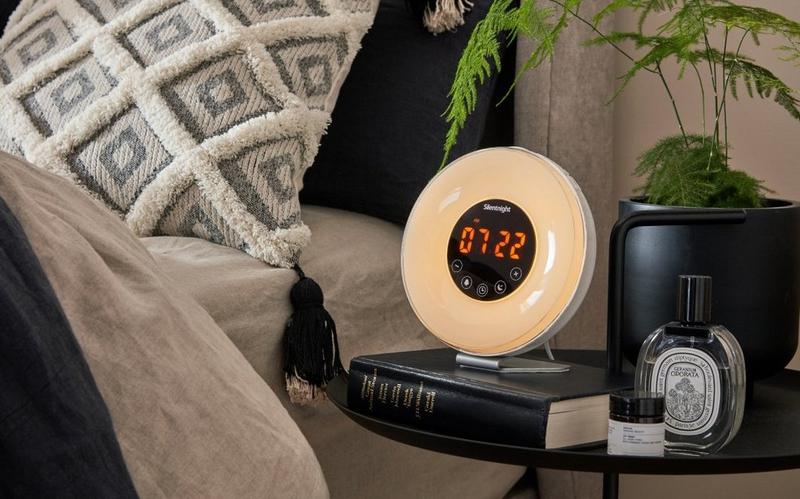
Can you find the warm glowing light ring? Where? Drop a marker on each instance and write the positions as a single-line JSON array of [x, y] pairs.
[[463, 235]]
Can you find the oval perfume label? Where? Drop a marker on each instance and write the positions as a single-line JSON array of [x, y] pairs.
[[689, 380]]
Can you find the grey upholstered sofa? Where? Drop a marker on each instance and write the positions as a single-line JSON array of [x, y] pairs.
[[560, 112]]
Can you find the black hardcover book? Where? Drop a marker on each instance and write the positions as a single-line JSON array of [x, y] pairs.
[[428, 390]]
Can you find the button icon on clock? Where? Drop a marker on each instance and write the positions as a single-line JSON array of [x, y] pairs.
[[466, 282], [456, 265], [482, 289], [500, 287], [515, 274]]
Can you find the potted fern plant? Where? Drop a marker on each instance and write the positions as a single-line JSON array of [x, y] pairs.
[[755, 265]]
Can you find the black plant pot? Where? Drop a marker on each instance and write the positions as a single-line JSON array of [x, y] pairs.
[[755, 266]]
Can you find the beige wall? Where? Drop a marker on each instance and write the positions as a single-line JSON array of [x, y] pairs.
[[766, 143]]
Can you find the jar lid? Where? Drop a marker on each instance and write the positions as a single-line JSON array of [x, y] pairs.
[[637, 403]]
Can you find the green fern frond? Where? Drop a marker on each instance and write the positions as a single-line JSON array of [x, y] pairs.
[[789, 103], [539, 27], [692, 172], [687, 22], [677, 174], [660, 48], [480, 59], [685, 170], [735, 189], [790, 54], [612, 8], [755, 21], [542, 29], [646, 7], [758, 81], [665, 151]]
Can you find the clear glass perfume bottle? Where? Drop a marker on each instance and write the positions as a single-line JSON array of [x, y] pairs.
[[699, 368]]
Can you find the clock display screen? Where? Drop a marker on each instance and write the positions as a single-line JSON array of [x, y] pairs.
[[491, 249]]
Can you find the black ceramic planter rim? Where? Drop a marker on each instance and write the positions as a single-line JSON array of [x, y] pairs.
[[767, 243], [774, 204]]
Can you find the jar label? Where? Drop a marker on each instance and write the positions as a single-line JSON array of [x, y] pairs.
[[689, 380], [635, 439]]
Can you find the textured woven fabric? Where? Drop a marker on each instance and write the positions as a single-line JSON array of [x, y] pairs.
[[189, 118], [56, 434], [192, 417]]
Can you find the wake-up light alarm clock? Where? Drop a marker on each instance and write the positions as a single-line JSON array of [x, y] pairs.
[[498, 253]]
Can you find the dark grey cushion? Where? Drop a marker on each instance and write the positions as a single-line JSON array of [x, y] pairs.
[[385, 140]]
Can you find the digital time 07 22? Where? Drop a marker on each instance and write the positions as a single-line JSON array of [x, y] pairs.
[[503, 244]]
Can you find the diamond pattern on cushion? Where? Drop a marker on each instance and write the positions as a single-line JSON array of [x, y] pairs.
[[8, 145], [263, 177], [191, 214], [307, 65], [216, 96], [106, 10], [174, 112], [120, 160], [45, 37], [254, 11], [165, 33], [358, 5], [55, 101]]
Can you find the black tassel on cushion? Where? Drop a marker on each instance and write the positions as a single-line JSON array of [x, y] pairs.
[[310, 345]]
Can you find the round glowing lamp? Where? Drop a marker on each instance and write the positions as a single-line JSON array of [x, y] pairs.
[[498, 254]]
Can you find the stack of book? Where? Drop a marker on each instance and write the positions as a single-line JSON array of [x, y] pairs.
[[428, 390]]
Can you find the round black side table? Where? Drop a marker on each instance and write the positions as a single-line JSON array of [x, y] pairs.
[[769, 439]]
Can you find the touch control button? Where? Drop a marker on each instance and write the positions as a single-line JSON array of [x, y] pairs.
[[456, 265], [500, 287], [482, 289], [515, 274], [466, 282]]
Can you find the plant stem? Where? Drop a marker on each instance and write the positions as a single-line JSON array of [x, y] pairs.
[[630, 58], [723, 105], [598, 32], [725, 93], [736, 56], [674, 104], [712, 70], [702, 98]]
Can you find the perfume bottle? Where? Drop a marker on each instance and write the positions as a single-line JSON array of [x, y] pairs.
[[699, 369]]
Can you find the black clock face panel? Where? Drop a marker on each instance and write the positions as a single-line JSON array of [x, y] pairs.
[[491, 250]]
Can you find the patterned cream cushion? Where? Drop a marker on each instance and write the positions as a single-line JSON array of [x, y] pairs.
[[193, 117]]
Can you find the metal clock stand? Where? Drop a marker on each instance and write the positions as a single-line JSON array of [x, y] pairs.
[[513, 364]]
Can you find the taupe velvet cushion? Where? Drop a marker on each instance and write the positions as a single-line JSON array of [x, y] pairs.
[[192, 417], [356, 259]]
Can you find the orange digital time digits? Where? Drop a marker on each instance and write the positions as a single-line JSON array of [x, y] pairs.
[[503, 240]]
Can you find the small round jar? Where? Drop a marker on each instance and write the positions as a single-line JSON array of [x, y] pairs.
[[636, 424]]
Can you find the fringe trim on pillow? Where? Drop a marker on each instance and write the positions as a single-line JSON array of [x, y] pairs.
[[446, 15], [304, 393]]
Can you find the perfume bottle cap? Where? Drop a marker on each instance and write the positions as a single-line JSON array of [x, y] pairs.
[[694, 299], [633, 403]]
